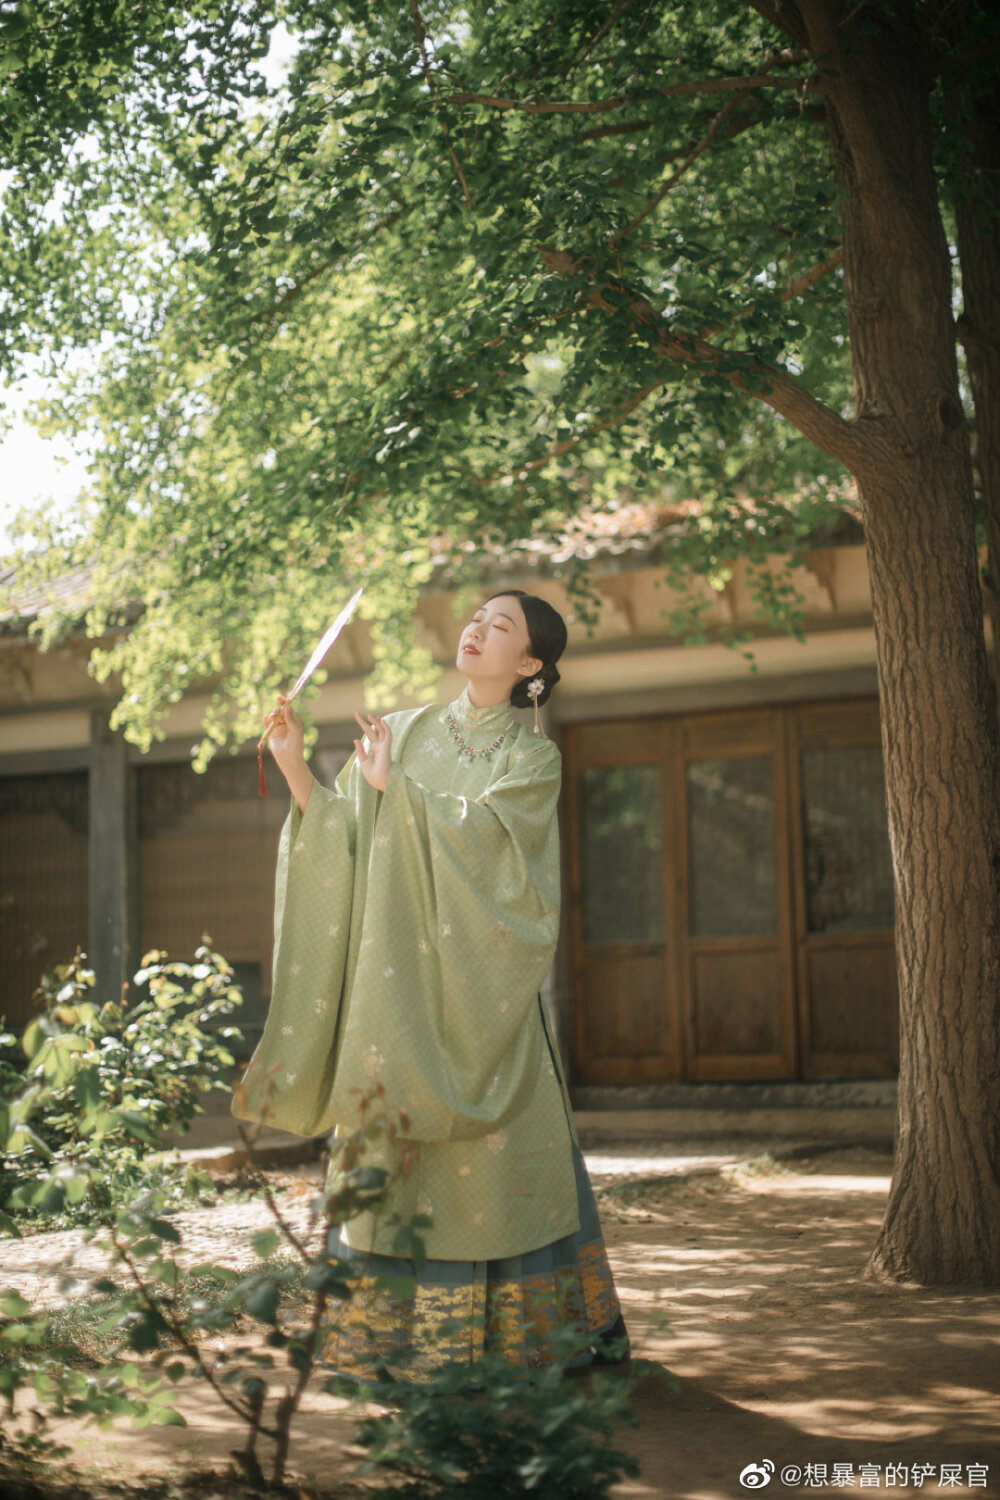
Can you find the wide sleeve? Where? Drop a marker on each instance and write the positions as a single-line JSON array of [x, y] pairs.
[[461, 922], [288, 1080]]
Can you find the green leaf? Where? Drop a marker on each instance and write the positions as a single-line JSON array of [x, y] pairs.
[[136, 1124], [13, 1305], [262, 1302], [166, 1416], [164, 1230], [265, 1242]]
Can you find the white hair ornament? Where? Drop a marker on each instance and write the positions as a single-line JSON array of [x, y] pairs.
[[534, 690]]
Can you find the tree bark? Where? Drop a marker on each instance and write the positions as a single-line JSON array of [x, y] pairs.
[[975, 117], [939, 734]]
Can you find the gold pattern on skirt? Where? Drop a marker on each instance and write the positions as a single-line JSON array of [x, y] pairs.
[[457, 1324]]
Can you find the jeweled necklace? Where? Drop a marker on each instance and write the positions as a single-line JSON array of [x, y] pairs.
[[464, 748]]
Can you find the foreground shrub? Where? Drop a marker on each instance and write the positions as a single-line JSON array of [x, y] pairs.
[[88, 1092], [254, 1336], [451, 1439]]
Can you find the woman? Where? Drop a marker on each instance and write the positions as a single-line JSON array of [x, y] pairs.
[[416, 917]]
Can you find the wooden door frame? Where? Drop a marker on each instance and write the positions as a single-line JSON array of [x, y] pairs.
[[733, 734], [781, 731], [627, 742], [837, 724]]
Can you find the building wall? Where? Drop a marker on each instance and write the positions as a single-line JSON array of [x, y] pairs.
[[703, 871]]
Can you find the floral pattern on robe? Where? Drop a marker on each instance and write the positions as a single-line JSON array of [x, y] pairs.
[[413, 931]]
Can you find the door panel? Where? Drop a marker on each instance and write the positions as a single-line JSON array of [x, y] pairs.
[[731, 843], [848, 862], [739, 997], [848, 996], [621, 854], [850, 1014], [624, 1016], [732, 896], [621, 949], [44, 876]]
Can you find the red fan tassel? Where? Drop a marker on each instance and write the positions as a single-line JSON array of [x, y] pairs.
[[261, 783]]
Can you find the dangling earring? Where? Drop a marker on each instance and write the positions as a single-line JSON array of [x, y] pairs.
[[535, 687]]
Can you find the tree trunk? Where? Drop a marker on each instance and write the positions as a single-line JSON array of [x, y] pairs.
[[939, 734], [975, 117]]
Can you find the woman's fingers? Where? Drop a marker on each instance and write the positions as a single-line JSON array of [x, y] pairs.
[[373, 726]]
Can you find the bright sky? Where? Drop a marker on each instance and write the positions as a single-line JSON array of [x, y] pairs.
[[33, 468]]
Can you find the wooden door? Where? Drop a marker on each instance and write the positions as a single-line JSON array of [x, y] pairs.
[[848, 1001], [731, 897], [626, 1025], [735, 911], [43, 882]]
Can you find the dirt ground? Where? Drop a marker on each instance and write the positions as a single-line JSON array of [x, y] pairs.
[[747, 1286]]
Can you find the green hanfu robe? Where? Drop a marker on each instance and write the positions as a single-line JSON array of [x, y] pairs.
[[413, 930]]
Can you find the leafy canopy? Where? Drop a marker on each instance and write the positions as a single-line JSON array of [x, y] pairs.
[[430, 291]]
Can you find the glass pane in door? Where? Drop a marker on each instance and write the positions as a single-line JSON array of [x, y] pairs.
[[621, 840], [848, 872], [733, 880]]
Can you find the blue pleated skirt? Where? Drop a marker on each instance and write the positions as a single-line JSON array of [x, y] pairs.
[[454, 1311]]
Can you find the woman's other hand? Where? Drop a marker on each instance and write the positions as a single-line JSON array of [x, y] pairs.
[[376, 760], [288, 747], [287, 738]]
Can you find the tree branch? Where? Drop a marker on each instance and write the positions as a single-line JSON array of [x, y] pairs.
[[327, 265], [778, 390], [628, 127], [569, 444], [605, 106], [684, 167], [432, 85], [818, 422], [783, 16], [815, 273]]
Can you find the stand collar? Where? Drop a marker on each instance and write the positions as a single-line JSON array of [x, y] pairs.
[[495, 717]]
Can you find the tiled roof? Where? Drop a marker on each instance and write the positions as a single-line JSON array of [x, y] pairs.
[[19, 607], [630, 531]]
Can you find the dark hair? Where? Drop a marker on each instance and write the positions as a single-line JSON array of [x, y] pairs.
[[547, 638]]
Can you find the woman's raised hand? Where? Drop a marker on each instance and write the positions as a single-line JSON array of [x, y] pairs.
[[287, 744], [287, 739], [376, 760]]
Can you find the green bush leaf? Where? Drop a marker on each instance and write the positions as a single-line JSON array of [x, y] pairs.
[[13, 1305], [265, 1242], [262, 1302]]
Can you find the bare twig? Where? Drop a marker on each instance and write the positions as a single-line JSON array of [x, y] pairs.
[[684, 167], [176, 1330], [249, 1140], [432, 84], [327, 265]]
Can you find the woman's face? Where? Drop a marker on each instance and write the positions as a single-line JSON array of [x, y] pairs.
[[494, 649]]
